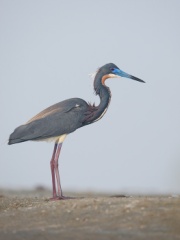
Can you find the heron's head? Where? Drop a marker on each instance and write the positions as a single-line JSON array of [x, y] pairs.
[[110, 70]]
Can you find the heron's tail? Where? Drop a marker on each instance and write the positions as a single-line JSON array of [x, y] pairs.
[[13, 141], [18, 135]]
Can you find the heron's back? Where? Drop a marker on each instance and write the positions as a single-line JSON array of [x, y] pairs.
[[61, 118]]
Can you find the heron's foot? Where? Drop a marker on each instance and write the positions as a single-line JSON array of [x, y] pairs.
[[65, 198], [61, 198]]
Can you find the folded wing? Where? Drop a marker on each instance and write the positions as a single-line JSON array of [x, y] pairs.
[[61, 118]]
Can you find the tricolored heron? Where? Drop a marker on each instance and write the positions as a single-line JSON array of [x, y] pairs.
[[56, 122]]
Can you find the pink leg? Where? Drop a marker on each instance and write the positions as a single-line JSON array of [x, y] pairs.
[[52, 163], [55, 174], [56, 170]]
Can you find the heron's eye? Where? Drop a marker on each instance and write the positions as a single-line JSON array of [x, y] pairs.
[[112, 69]]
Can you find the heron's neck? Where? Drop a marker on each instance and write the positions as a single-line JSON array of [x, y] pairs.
[[105, 98], [97, 112]]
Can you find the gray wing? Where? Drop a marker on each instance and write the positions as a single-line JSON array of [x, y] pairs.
[[61, 118]]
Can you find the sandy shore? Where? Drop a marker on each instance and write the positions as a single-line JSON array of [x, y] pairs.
[[31, 215]]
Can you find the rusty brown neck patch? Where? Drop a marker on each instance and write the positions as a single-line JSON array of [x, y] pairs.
[[110, 75], [104, 78]]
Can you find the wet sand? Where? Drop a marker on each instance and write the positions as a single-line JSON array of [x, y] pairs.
[[31, 215]]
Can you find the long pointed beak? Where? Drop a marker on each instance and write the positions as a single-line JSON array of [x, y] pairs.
[[135, 78], [126, 75]]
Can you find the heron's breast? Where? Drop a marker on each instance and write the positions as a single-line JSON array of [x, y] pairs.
[[57, 139]]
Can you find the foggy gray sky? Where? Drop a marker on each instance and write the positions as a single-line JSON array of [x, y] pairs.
[[47, 50]]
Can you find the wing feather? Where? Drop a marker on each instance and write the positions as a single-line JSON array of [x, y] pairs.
[[61, 118]]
